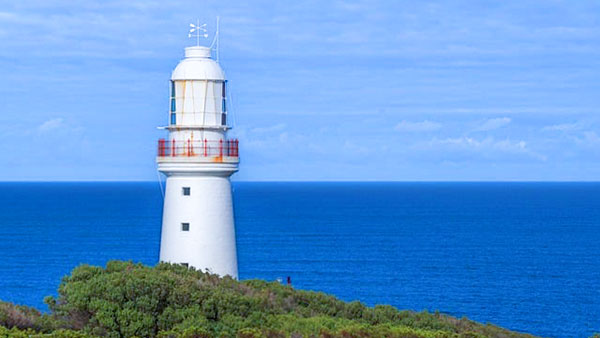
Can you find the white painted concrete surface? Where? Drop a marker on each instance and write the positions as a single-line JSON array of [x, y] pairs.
[[210, 242]]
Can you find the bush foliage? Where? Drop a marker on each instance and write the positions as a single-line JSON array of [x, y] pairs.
[[133, 300]]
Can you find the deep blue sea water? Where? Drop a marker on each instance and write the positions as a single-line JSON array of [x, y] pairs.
[[525, 256]]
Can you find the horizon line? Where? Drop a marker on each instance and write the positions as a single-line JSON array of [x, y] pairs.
[[314, 181]]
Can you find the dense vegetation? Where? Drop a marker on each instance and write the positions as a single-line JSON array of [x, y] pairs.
[[133, 300]]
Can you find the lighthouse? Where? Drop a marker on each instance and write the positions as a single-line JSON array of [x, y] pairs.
[[197, 159]]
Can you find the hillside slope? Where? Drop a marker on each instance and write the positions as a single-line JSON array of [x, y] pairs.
[[132, 300]]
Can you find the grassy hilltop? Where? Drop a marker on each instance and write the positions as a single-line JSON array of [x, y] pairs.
[[133, 300]]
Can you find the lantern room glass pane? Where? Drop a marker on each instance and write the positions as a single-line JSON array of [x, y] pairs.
[[224, 91], [172, 104], [173, 118], [172, 89], [224, 107]]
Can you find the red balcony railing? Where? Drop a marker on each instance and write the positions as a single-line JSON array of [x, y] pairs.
[[202, 148]]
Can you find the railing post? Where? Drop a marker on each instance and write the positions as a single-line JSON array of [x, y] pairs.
[[173, 147], [221, 148], [161, 147], [205, 149]]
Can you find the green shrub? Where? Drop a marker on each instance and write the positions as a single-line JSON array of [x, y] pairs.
[[132, 300]]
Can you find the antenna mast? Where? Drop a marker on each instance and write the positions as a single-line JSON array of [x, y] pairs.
[[218, 38], [215, 42]]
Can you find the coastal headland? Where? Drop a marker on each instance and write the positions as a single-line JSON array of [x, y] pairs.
[[125, 299]]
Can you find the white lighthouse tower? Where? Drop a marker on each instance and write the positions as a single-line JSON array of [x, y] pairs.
[[198, 159]]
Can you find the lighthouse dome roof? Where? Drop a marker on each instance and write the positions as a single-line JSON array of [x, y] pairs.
[[198, 65]]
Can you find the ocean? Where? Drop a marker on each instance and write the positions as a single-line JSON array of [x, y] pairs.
[[525, 256]]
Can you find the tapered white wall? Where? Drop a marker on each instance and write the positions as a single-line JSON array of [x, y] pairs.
[[210, 242]]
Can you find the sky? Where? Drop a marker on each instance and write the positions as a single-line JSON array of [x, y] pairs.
[[320, 90]]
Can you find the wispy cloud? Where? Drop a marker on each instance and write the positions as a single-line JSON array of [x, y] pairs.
[[493, 124], [270, 129], [423, 126], [51, 124], [564, 127], [57, 126], [488, 147], [589, 139]]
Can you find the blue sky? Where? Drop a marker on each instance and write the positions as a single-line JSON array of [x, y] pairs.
[[322, 90]]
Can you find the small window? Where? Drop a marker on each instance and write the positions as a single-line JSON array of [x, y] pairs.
[[186, 191], [173, 118], [185, 226], [185, 264]]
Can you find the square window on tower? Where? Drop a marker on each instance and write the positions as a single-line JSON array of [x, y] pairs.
[[185, 226], [186, 191]]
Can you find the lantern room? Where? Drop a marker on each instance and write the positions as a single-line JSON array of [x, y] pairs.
[[198, 94]]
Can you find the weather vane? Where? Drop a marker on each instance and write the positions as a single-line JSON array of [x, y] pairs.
[[197, 30]]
